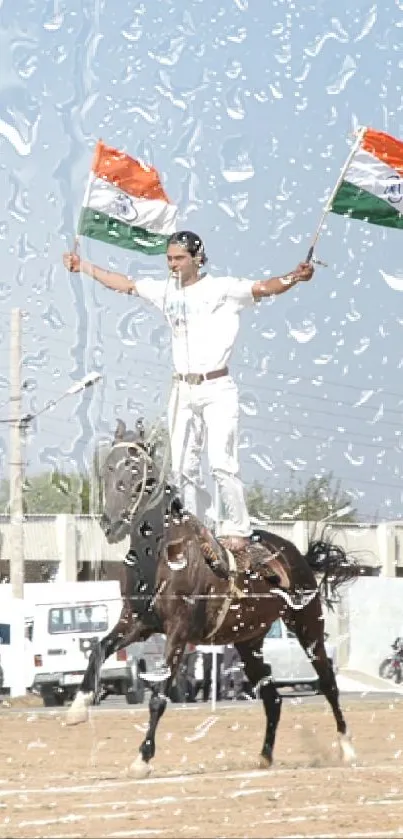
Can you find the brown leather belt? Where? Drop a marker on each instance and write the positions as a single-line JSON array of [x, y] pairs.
[[198, 378]]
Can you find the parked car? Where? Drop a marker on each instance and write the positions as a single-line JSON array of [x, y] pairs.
[[290, 664], [147, 658], [66, 624], [281, 649]]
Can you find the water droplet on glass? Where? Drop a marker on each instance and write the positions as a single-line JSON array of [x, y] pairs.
[[303, 333], [336, 32], [368, 24], [236, 165], [248, 404], [323, 359], [296, 465], [347, 70], [55, 22], [355, 461], [127, 326], [394, 281], [30, 385], [262, 460], [234, 104], [53, 317], [169, 51], [363, 399], [36, 361], [20, 135], [5, 291], [362, 346]]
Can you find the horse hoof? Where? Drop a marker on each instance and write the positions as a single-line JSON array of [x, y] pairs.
[[347, 750], [264, 762], [139, 768], [78, 711]]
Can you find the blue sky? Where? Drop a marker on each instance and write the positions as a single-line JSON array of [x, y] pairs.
[[247, 110]]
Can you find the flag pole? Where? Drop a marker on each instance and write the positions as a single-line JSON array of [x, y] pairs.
[[353, 150], [76, 243]]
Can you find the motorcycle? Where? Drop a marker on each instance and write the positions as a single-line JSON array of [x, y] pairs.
[[392, 667]]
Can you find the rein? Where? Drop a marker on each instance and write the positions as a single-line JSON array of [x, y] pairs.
[[148, 461]]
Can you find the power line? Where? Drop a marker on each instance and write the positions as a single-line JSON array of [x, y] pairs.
[[303, 472], [336, 384], [389, 444], [382, 445], [239, 366], [293, 406], [321, 398], [357, 438]]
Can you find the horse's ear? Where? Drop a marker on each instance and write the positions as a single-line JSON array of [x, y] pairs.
[[120, 430]]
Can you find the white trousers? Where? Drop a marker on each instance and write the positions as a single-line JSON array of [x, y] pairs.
[[196, 413]]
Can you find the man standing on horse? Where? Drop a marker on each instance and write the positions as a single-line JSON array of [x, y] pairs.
[[203, 313]]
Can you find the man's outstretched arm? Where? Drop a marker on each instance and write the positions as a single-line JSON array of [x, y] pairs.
[[278, 285], [110, 279]]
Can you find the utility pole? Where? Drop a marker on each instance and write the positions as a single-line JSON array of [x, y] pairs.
[[95, 483], [17, 686], [94, 507], [16, 468]]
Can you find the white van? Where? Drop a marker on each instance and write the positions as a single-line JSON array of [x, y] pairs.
[[68, 619]]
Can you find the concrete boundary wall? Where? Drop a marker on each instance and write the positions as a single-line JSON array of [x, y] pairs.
[[71, 540], [369, 618]]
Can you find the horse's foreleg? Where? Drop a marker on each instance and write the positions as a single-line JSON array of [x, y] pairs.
[[124, 633], [259, 675], [174, 650], [88, 692], [308, 625]]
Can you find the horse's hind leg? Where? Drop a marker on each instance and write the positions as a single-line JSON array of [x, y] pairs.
[[259, 675], [308, 625]]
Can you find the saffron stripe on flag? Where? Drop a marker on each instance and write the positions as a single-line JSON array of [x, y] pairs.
[[126, 173], [385, 148]]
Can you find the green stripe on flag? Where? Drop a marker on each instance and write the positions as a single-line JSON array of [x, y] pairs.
[[100, 226], [357, 203]]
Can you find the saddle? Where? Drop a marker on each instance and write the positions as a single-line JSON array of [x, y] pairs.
[[252, 558]]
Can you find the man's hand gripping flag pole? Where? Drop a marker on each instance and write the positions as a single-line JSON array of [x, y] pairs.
[[310, 256]]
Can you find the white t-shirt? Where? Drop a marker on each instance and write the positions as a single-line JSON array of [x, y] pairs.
[[204, 318]]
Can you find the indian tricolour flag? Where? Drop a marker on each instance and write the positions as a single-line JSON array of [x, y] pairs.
[[125, 203], [371, 186]]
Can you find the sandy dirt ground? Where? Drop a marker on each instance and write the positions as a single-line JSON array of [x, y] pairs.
[[58, 781]]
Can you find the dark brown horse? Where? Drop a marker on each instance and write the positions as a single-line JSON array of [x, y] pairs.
[[178, 580]]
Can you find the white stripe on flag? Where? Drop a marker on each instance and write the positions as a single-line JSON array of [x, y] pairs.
[[368, 172], [156, 216]]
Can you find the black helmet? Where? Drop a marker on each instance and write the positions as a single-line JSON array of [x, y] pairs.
[[191, 242]]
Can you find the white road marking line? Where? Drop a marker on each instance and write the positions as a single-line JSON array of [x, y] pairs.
[[195, 777]]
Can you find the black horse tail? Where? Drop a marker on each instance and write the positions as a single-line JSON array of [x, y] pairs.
[[331, 563]]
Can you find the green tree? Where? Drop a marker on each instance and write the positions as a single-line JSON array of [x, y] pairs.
[[318, 499], [52, 493]]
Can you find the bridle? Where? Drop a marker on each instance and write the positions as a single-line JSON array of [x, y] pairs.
[[155, 494]]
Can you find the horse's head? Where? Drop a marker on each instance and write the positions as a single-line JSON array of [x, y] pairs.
[[130, 476]]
